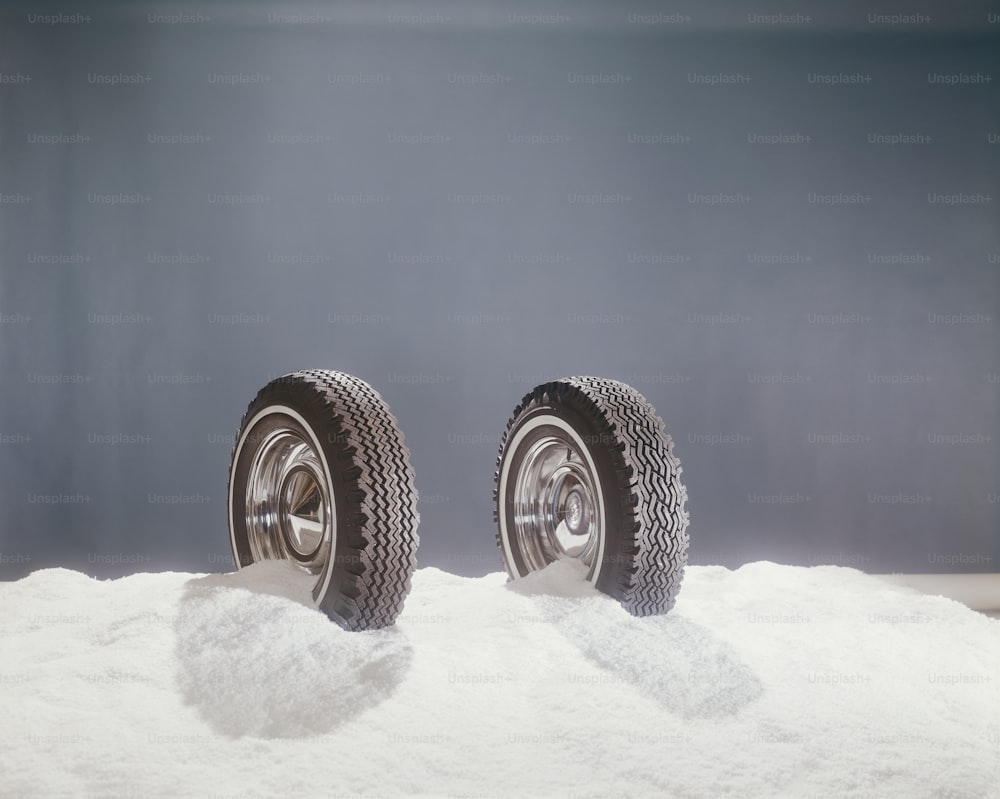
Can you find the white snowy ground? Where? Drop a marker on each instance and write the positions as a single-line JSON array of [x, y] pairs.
[[764, 681]]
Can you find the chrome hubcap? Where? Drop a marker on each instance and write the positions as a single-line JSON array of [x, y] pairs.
[[555, 502], [288, 507]]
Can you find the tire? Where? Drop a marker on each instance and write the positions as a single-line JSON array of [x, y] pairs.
[[320, 476], [586, 471]]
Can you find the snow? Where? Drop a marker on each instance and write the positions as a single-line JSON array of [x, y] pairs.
[[766, 680]]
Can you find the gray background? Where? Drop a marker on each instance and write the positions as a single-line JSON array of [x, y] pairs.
[[458, 201]]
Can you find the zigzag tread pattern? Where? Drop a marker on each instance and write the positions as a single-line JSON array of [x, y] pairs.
[[661, 519]]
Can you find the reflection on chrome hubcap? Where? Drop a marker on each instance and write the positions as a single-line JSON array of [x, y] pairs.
[[555, 501], [302, 508], [287, 503]]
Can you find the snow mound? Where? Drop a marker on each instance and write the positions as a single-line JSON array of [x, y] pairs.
[[256, 659], [764, 681]]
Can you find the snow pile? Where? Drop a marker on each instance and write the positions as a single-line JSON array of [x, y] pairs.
[[764, 681]]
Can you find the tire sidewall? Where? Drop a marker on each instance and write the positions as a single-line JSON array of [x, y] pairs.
[[293, 406], [594, 438]]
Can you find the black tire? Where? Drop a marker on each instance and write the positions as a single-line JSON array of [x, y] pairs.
[[321, 476], [586, 471]]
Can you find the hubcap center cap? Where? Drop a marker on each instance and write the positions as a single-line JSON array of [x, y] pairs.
[[302, 511], [574, 512]]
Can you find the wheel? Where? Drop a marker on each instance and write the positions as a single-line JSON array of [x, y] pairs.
[[320, 476], [586, 471]]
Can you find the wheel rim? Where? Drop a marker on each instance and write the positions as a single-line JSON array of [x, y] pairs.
[[556, 504], [288, 503]]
